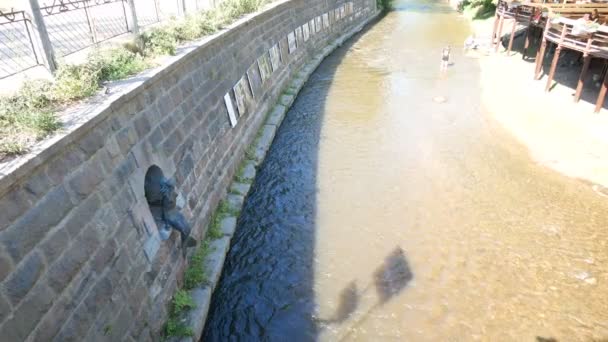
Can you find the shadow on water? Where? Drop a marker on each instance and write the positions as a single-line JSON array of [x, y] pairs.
[[389, 279], [266, 289]]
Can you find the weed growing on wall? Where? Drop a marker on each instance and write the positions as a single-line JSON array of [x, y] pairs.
[[195, 274], [182, 302]]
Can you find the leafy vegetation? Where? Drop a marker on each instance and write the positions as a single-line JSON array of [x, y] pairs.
[[196, 274], [30, 114], [182, 302], [477, 9], [384, 5]]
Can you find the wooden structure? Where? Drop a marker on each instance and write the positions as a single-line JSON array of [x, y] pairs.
[[560, 24], [572, 33]]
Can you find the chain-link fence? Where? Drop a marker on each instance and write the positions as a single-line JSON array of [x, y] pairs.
[[17, 50]]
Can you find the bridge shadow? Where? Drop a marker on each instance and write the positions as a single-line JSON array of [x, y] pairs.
[[266, 289]]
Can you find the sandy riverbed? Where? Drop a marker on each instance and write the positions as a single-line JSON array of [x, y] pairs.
[[563, 135]]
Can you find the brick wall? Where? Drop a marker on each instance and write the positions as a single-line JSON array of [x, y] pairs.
[[80, 255]]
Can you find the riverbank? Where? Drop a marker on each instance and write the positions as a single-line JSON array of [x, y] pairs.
[[565, 136]]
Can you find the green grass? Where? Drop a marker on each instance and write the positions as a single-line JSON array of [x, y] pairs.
[[196, 273], [175, 328], [223, 210], [182, 302]]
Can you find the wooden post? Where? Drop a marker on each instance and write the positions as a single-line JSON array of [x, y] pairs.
[[512, 32], [558, 51], [43, 36], [602, 95], [581, 78], [540, 55], [495, 27], [499, 35]]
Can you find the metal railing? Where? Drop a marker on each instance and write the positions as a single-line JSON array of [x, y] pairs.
[[73, 25], [17, 49], [47, 29]]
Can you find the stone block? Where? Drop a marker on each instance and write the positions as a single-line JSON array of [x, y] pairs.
[[240, 188], [142, 125], [172, 142], [91, 142], [38, 184], [228, 225], [235, 202], [248, 172], [27, 316], [23, 278], [276, 116], [126, 138], [215, 260], [12, 205], [85, 180], [77, 326], [59, 168], [82, 215], [184, 168], [22, 236], [151, 247], [156, 138], [67, 266], [104, 256], [99, 295], [6, 266], [5, 308], [55, 244], [196, 317], [264, 142]]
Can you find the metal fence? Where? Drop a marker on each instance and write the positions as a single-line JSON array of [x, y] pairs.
[[73, 25], [62, 27], [17, 50]]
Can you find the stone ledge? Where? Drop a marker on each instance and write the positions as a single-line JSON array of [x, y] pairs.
[[196, 318]]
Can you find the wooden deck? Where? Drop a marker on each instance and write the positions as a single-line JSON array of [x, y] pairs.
[[560, 24]]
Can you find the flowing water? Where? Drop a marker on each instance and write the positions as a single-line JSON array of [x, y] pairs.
[[391, 207]]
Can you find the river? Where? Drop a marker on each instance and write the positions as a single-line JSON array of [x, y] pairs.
[[392, 207]]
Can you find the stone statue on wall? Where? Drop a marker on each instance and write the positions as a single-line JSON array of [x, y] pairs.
[[162, 199]]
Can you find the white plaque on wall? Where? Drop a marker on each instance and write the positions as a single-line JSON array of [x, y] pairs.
[[275, 57], [306, 31], [230, 107], [265, 68], [291, 42]]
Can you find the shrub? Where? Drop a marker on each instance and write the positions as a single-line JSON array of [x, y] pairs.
[[159, 41], [26, 117], [74, 82], [119, 63]]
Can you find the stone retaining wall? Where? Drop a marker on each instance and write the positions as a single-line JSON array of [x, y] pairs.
[[80, 254]]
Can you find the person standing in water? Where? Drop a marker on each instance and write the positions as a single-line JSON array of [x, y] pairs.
[[445, 57]]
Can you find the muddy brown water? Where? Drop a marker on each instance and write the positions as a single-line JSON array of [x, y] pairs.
[[383, 214]]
